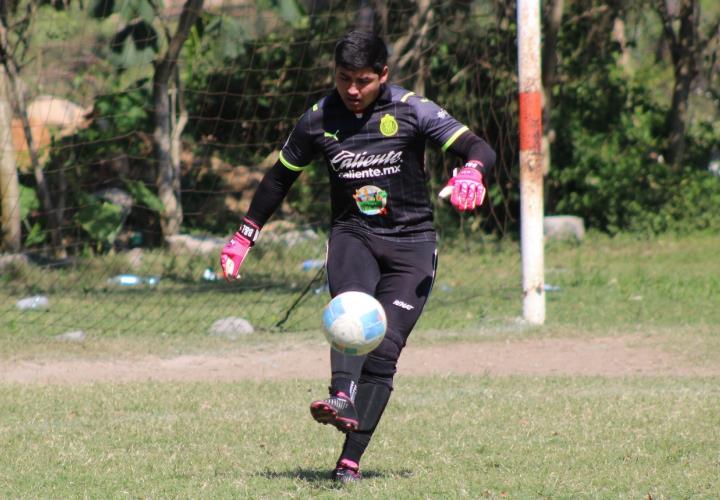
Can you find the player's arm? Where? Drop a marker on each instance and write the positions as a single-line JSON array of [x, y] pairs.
[[269, 195], [297, 151], [466, 188]]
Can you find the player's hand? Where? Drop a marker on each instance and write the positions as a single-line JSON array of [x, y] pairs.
[[465, 188], [234, 252]]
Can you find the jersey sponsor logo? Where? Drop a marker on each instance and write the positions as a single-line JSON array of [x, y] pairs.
[[404, 305], [442, 114], [371, 200], [388, 125], [347, 160]]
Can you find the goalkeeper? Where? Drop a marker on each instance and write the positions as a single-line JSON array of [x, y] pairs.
[[372, 135]]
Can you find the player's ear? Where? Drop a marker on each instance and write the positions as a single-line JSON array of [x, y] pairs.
[[384, 74]]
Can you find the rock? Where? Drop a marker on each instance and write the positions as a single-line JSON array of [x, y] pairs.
[[134, 258], [118, 197], [231, 328], [12, 260], [75, 336], [196, 245], [562, 227]]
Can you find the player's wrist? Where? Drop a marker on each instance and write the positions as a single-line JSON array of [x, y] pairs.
[[249, 230], [476, 164]]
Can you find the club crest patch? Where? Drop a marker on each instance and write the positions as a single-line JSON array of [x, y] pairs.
[[371, 200], [388, 125]]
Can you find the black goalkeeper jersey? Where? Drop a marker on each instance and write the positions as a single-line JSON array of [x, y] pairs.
[[375, 160]]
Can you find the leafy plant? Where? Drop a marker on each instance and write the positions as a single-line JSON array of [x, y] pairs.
[[101, 219], [142, 195], [30, 203]]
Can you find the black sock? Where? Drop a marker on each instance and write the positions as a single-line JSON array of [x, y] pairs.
[[370, 402], [344, 385]]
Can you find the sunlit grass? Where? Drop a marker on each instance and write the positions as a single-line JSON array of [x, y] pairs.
[[602, 286], [470, 437]]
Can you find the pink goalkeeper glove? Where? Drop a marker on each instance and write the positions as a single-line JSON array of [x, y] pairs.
[[465, 188], [234, 252]]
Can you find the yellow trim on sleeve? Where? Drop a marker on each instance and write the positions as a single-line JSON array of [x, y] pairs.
[[407, 96], [453, 137], [289, 165]]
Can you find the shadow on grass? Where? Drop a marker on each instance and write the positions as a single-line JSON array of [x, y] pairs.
[[322, 477]]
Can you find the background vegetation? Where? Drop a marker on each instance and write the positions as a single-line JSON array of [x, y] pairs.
[[613, 80]]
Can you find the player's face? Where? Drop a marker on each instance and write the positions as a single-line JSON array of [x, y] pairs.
[[359, 89]]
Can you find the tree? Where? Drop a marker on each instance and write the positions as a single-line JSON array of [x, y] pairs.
[[551, 29], [681, 28], [17, 95], [137, 42], [9, 186], [170, 120]]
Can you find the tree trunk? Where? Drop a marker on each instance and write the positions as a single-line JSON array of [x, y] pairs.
[[9, 185], [168, 177], [168, 164], [17, 93], [407, 50], [618, 35], [685, 48], [549, 74]]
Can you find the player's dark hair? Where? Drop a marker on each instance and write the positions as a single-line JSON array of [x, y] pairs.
[[360, 49]]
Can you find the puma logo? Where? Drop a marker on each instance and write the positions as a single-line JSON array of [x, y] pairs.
[[332, 136]]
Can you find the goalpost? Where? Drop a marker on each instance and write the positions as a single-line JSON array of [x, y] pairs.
[[531, 175]]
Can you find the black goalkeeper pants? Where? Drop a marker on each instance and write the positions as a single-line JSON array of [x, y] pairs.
[[398, 273]]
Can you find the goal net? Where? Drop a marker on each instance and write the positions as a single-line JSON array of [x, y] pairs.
[[118, 250]]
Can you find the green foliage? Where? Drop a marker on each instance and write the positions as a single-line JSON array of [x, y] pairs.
[[608, 166], [291, 11], [607, 159], [121, 124], [214, 40], [692, 204], [134, 45], [114, 151], [29, 204], [136, 41], [247, 79], [101, 219], [142, 195], [28, 201]]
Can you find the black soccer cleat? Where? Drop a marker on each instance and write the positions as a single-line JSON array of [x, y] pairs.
[[346, 471], [337, 410]]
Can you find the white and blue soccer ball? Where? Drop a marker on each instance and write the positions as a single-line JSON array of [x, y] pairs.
[[354, 322]]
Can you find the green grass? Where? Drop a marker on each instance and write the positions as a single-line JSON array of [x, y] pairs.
[[470, 437], [664, 287], [442, 437]]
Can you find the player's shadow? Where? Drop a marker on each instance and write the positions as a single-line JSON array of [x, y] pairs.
[[322, 477]]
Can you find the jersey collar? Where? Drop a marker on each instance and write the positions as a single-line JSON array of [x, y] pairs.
[[385, 94]]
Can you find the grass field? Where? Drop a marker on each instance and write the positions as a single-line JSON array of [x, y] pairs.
[[442, 437], [471, 437], [607, 286]]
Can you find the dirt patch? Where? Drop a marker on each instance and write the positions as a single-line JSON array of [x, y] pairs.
[[608, 356]]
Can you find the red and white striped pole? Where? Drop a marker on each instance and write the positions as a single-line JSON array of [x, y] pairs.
[[531, 176]]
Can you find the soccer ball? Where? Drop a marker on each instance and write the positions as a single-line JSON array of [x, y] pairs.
[[354, 322]]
